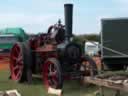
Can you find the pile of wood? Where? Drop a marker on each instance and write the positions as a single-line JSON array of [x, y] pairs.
[[118, 77], [115, 76]]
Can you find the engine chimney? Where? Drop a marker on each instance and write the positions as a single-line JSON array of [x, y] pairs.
[[68, 20]]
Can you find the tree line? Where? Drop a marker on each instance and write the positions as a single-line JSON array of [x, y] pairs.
[[86, 37], [81, 39]]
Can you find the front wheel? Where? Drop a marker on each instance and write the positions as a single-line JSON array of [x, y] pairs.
[[52, 74]]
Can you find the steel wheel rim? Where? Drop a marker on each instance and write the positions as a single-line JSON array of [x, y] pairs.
[[50, 75], [16, 62]]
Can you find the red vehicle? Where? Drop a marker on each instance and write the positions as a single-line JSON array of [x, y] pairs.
[[53, 54]]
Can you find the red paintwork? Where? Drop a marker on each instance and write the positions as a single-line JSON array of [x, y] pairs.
[[16, 62], [46, 48], [47, 51]]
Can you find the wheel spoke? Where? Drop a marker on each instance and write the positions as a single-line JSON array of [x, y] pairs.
[[54, 78], [50, 68], [16, 67], [55, 81], [53, 74], [18, 74], [20, 60], [16, 50], [20, 67], [14, 58]]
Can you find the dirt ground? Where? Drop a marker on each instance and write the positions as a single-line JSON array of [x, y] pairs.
[[4, 63], [4, 66]]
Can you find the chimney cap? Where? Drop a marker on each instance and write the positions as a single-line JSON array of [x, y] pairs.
[[68, 4]]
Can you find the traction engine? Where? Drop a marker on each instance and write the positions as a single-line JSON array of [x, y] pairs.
[[53, 54]]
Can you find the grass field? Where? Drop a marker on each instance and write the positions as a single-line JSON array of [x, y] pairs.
[[71, 88]]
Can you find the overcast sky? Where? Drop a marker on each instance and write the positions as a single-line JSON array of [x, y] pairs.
[[36, 15]]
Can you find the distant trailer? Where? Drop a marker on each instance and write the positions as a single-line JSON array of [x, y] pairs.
[[92, 48], [10, 36], [114, 37], [6, 42]]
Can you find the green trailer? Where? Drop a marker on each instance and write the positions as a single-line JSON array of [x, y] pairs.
[[10, 36], [114, 37]]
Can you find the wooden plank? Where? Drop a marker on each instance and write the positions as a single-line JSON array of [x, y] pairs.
[[107, 83]]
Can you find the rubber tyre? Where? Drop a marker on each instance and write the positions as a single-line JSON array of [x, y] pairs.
[[28, 62]]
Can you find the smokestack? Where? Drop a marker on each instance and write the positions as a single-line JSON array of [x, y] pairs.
[[68, 20]]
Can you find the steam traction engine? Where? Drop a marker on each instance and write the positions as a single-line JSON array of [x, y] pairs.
[[53, 54]]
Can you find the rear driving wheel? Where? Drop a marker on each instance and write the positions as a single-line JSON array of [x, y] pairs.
[[52, 74], [16, 62]]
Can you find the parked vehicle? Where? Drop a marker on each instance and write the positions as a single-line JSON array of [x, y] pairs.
[[9, 36], [51, 54], [114, 49], [92, 48]]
